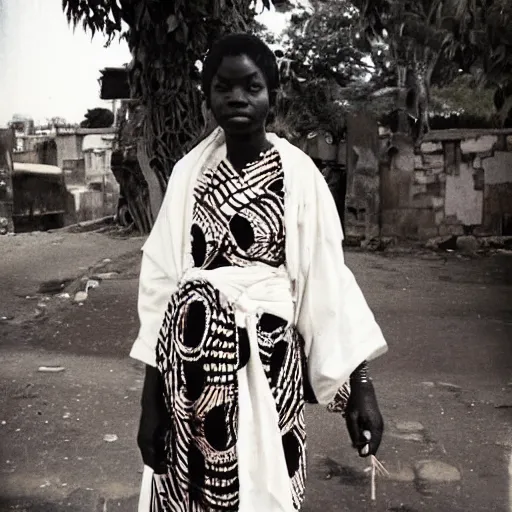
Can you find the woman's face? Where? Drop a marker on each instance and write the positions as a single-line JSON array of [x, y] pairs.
[[239, 96]]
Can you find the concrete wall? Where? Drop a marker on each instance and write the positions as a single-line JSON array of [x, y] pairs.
[[26, 157], [456, 182], [69, 147], [362, 201]]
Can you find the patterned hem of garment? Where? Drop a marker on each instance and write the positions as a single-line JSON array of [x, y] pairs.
[[339, 402]]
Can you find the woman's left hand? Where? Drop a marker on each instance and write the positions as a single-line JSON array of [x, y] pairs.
[[363, 416]]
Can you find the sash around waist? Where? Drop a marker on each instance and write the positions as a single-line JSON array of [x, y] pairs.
[[251, 290]]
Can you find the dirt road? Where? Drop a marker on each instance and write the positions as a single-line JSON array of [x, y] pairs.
[[68, 438]]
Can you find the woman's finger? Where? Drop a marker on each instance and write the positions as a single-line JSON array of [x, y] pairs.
[[354, 431], [375, 444]]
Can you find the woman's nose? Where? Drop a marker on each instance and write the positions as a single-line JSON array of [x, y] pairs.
[[237, 97]]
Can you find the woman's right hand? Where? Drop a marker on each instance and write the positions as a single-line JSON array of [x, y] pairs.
[[154, 421]]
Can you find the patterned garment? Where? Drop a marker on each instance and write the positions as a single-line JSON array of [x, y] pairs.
[[238, 220]]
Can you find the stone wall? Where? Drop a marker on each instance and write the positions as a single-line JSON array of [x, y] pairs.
[[457, 182]]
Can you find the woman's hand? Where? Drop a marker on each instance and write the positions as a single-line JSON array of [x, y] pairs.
[[364, 420], [153, 422]]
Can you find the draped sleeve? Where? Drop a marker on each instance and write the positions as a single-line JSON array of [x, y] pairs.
[[157, 282], [338, 327], [167, 252]]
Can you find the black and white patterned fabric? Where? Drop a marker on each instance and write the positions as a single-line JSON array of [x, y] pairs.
[[238, 220]]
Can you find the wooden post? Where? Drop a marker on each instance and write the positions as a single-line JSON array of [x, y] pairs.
[[6, 184], [104, 194]]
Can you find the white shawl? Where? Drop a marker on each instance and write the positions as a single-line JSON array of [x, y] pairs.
[[327, 305]]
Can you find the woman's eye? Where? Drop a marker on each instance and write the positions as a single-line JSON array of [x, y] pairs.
[[255, 87], [221, 87]]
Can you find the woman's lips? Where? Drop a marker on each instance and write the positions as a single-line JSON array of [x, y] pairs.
[[239, 117]]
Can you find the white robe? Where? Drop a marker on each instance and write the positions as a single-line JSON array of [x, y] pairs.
[[322, 297]]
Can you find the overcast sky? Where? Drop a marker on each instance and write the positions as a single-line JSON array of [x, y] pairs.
[[47, 70]]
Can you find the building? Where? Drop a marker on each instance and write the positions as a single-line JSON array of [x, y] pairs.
[[84, 156]]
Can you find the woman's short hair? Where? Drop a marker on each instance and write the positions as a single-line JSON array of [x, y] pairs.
[[233, 45]]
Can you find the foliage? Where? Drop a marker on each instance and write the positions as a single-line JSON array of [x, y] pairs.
[[448, 36], [98, 118], [321, 54], [326, 43], [303, 107], [166, 39], [459, 97]]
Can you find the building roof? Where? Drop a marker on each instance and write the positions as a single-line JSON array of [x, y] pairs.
[[463, 133], [93, 131], [85, 131], [36, 168]]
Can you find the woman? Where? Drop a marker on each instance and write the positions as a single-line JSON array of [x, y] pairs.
[[246, 306]]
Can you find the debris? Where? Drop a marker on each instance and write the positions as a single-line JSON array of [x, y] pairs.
[[408, 436], [6, 318], [92, 283], [107, 275], [64, 295], [409, 426], [51, 369], [449, 386], [110, 438], [80, 296]]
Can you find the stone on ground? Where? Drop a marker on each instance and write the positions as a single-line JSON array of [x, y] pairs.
[[409, 426], [434, 471], [449, 386], [404, 474], [408, 436], [467, 244]]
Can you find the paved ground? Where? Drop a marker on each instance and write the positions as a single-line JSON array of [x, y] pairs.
[[449, 325]]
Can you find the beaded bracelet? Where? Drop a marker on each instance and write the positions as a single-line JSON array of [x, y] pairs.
[[360, 374]]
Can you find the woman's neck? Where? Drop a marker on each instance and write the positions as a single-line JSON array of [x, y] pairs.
[[245, 149]]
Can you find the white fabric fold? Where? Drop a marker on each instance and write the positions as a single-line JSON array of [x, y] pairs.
[[263, 474]]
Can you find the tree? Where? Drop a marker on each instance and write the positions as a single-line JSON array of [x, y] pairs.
[[98, 118], [56, 121], [166, 39], [326, 69], [438, 39], [325, 43]]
